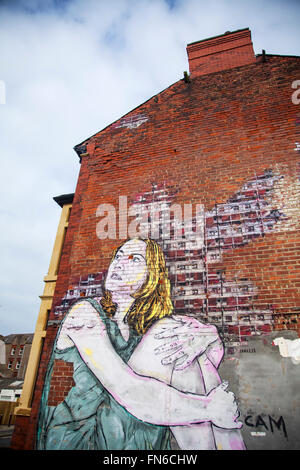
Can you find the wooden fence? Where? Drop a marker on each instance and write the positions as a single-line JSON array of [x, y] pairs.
[[7, 416]]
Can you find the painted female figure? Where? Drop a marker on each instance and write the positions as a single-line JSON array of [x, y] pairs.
[[124, 396]]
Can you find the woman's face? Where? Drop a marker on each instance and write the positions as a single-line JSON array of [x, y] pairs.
[[128, 270]]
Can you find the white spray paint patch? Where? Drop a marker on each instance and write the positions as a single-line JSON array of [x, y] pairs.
[[132, 122], [289, 348]]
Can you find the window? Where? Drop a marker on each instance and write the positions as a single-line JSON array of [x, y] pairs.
[[21, 350], [18, 364], [215, 319], [244, 288], [9, 365], [13, 350]]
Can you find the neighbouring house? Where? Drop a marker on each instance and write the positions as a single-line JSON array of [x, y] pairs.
[[14, 356]]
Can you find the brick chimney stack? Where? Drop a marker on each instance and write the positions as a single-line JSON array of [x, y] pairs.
[[227, 51]]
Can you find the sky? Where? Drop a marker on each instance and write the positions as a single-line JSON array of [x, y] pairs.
[[69, 68]]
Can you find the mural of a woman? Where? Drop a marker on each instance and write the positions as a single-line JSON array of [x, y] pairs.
[[123, 396]]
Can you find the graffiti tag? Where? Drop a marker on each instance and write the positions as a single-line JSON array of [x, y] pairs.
[[253, 421]]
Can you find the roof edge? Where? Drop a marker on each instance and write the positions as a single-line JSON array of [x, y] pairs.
[[78, 147], [218, 36], [278, 55], [64, 199], [81, 147]]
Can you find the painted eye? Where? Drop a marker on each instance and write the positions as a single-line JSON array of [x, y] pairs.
[[134, 258]]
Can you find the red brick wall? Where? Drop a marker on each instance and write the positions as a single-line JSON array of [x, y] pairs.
[[202, 142], [20, 435], [61, 382]]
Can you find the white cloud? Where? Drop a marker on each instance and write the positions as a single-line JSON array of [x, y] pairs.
[[71, 68]]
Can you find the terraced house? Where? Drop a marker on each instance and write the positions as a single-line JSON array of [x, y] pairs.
[[203, 182]]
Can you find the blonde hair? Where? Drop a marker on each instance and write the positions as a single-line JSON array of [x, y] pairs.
[[153, 299]]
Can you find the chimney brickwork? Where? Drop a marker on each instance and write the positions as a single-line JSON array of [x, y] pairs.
[[232, 49]]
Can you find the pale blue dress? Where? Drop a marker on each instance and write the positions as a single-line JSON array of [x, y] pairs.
[[89, 418]]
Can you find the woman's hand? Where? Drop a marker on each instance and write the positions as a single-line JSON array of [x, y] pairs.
[[82, 321], [222, 408], [188, 339]]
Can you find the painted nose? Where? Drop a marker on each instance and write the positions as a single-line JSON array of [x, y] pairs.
[[121, 262]]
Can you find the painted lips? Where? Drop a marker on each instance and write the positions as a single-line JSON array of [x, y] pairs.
[[116, 276]]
